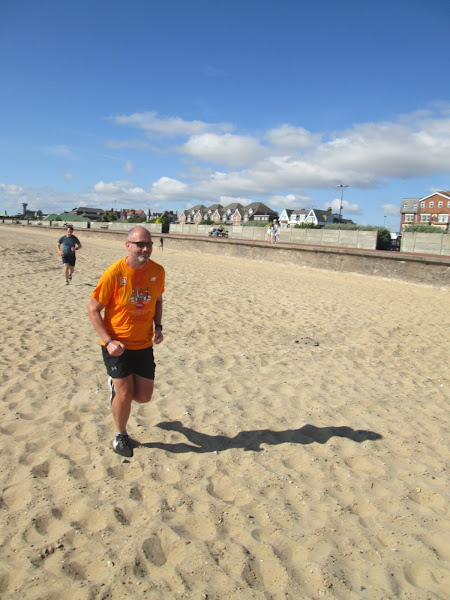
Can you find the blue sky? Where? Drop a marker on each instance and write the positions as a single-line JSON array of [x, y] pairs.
[[163, 105]]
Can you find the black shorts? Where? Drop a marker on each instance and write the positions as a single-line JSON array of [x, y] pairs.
[[138, 362], [69, 259]]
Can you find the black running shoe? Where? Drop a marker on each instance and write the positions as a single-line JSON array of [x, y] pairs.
[[121, 445], [112, 390]]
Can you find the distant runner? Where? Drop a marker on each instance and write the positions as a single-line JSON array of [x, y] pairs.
[[67, 246]]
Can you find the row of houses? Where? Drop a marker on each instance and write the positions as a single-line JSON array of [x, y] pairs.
[[237, 214], [430, 210], [291, 217], [84, 213]]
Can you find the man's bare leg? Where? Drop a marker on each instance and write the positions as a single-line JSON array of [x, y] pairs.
[[127, 389]]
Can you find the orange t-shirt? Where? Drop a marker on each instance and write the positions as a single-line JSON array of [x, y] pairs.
[[130, 298]]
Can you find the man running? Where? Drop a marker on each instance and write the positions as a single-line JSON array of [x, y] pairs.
[[67, 246], [130, 292]]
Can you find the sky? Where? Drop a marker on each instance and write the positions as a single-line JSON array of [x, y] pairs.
[[166, 104]]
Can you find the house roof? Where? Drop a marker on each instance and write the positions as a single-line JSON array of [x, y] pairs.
[[85, 209], [194, 209], [259, 208], [323, 215], [410, 205], [300, 211], [214, 207], [288, 211], [232, 208], [445, 194], [68, 217]]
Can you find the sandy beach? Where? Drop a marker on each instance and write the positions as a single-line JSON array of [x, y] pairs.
[[296, 445]]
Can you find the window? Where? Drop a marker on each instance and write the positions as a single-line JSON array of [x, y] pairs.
[[424, 218], [409, 218], [422, 205], [440, 204], [431, 204], [448, 204], [443, 219]]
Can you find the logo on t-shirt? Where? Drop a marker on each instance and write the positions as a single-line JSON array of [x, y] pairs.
[[123, 281]]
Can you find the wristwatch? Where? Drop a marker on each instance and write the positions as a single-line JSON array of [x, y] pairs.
[[158, 325]]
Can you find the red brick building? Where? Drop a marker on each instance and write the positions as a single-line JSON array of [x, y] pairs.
[[431, 210]]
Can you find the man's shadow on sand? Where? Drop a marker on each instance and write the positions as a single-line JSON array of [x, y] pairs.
[[252, 440]]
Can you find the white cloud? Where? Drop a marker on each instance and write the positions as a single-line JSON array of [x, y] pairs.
[[289, 159], [391, 209], [68, 176], [288, 137], [128, 166], [348, 208], [233, 150], [225, 200], [169, 126], [124, 189], [290, 201], [11, 190], [167, 188]]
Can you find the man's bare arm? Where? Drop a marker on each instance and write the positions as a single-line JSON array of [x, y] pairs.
[[115, 348]]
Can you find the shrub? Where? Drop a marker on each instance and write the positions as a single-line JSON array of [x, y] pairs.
[[424, 229], [256, 224], [165, 224], [307, 226], [384, 240]]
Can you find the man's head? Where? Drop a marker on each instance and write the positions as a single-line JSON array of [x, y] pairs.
[[69, 230], [139, 245]]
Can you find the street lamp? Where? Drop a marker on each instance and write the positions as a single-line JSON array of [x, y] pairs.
[[342, 186]]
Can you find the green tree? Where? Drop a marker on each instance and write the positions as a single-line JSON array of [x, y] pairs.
[[108, 217], [383, 238], [165, 224]]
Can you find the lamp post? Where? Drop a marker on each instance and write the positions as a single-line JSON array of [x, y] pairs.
[[342, 186]]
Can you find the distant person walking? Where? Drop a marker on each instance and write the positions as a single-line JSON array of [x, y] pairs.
[[130, 292], [161, 244], [67, 246], [275, 232]]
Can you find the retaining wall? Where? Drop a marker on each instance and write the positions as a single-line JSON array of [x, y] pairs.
[[426, 243], [347, 238], [96, 225], [391, 265]]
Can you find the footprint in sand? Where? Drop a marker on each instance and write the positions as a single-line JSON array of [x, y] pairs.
[[153, 551]]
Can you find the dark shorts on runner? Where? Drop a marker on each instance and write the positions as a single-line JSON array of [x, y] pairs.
[[138, 362], [69, 259]]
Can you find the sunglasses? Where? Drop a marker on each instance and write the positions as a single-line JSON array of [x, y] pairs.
[[141, 244]]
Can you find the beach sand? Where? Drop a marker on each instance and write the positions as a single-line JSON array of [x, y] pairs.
[[296, 445]]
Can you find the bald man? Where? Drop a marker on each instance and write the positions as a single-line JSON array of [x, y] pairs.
[[130, 292]]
